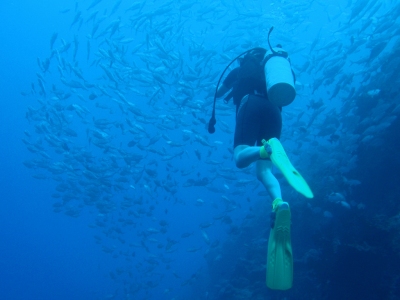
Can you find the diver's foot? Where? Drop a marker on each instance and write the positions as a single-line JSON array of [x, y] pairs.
[[283, 206], [265, 150], [277, 205]]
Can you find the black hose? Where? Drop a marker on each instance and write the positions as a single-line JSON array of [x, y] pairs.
[[213, 121]]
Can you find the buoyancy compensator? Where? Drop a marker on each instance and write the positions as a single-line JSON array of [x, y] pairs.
[[278, 75], [213, 121]]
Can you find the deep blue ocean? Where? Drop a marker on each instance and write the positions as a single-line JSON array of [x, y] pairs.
[[112, 188]]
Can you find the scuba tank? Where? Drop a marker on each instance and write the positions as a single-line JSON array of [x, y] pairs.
[[279, 76]]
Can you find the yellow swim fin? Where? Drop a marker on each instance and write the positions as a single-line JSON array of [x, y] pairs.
[[280, 257], [282, 162]]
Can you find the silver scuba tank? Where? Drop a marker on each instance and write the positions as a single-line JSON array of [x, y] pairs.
[[279, 77]]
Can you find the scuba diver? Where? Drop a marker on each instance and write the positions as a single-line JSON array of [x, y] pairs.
[[259, 87]]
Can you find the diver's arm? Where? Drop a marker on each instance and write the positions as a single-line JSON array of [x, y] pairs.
[[222, 90]]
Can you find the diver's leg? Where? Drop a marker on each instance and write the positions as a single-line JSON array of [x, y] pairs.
[[246, 130], [264, 174], [245, 155]]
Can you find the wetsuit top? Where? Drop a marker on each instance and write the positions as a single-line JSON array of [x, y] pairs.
[[242, 85]]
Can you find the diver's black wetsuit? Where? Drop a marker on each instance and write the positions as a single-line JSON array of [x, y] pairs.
[[256, 117]]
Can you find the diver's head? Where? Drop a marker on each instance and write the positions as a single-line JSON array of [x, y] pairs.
[[257, 53]]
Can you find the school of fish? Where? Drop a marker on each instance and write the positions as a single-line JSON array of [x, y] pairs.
[[121, 103]]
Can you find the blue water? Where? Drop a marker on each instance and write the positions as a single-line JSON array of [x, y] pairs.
[[67, 230]]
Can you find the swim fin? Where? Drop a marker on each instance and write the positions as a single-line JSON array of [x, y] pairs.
[[282, 162], [280, 257]]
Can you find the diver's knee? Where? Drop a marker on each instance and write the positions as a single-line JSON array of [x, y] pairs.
[[239, 163], [260, 175]]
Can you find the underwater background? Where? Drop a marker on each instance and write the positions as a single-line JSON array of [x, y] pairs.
[[112, 188]]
